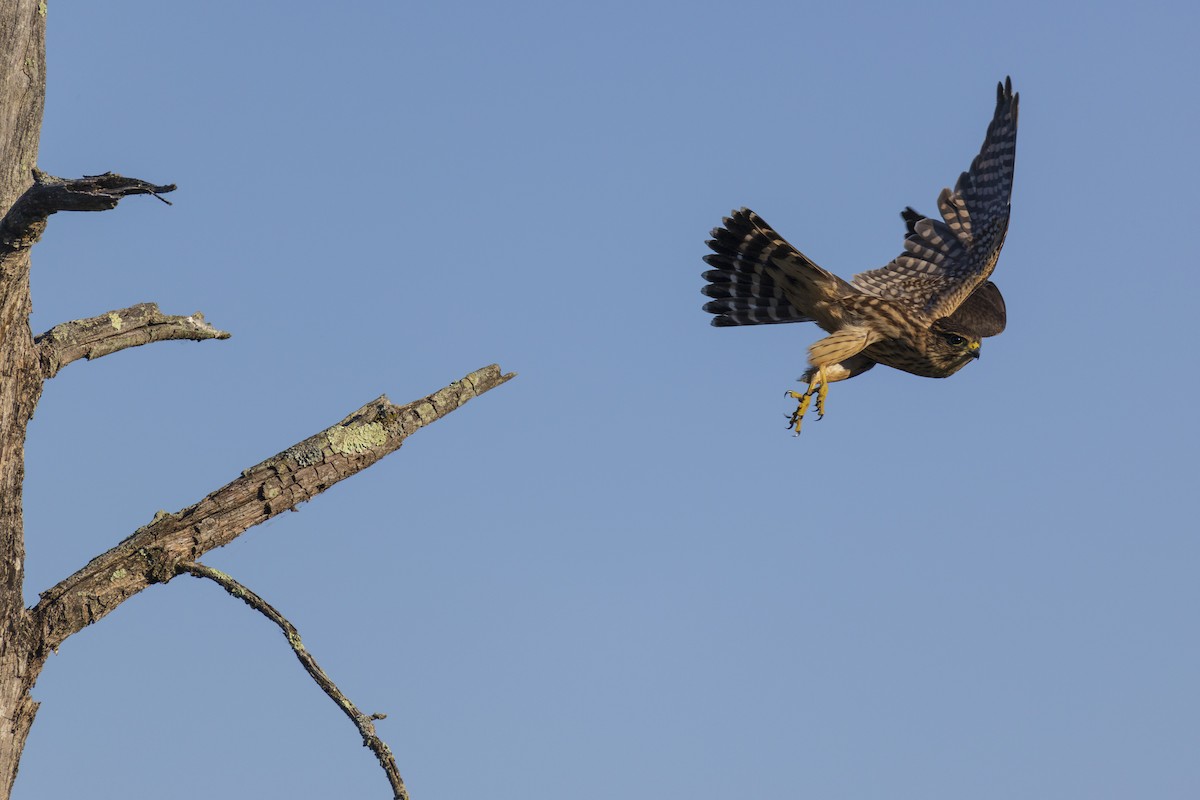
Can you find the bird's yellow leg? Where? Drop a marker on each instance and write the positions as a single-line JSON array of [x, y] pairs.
[[822, 392], [818, 384]]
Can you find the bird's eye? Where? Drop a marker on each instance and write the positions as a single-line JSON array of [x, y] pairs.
[[955, 340]]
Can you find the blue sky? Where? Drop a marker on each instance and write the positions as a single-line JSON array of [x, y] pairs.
[[619, 573]]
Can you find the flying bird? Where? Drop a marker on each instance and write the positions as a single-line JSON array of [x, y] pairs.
[[925, 312]]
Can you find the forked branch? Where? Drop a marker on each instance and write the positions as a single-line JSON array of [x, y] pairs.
[[154, 552], [117, 330], [365, 723]]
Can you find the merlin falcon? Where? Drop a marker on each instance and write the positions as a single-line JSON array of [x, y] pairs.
[[925, 313]]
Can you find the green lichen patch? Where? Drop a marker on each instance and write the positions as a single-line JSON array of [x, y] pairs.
[[358, 438], [115, 319]]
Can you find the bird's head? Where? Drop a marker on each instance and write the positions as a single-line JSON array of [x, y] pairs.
[[952, 350]]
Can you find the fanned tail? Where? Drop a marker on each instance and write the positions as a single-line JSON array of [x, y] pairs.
[[757, 277]]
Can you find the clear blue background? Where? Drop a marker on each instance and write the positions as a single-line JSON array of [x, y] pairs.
[[618, 575]]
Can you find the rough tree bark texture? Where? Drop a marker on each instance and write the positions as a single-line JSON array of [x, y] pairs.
[[22, 95], [153, 553], [171, 543]]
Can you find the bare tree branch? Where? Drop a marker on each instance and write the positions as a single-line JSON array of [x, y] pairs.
[[24, 223], [171, 542], [152, 554], [363, 722], [117, 330]]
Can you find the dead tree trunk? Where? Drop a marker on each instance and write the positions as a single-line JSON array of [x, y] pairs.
[[171, 544], [22, 96]]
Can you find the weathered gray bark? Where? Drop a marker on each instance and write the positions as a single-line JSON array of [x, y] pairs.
[[171, 543], [153, 553], [22, 96], [106, 334]]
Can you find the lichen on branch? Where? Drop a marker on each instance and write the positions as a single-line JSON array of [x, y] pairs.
[[117, 330], [152, 554]]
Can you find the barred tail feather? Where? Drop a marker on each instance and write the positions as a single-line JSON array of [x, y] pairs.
[[756, 274], [751, 311]]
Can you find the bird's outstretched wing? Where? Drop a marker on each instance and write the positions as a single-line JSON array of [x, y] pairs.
[[982, 314], [946, 260]]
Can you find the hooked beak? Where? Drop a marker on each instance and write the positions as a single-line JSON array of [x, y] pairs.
[[974, 348]]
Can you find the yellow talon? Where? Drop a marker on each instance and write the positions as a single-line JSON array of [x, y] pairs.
[[798, 414], [818, 385]]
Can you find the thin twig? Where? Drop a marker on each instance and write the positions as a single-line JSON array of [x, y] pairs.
[[361, 721]]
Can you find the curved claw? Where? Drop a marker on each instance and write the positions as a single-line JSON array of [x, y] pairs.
[[798, 415], [821, 395], [818, 386]]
